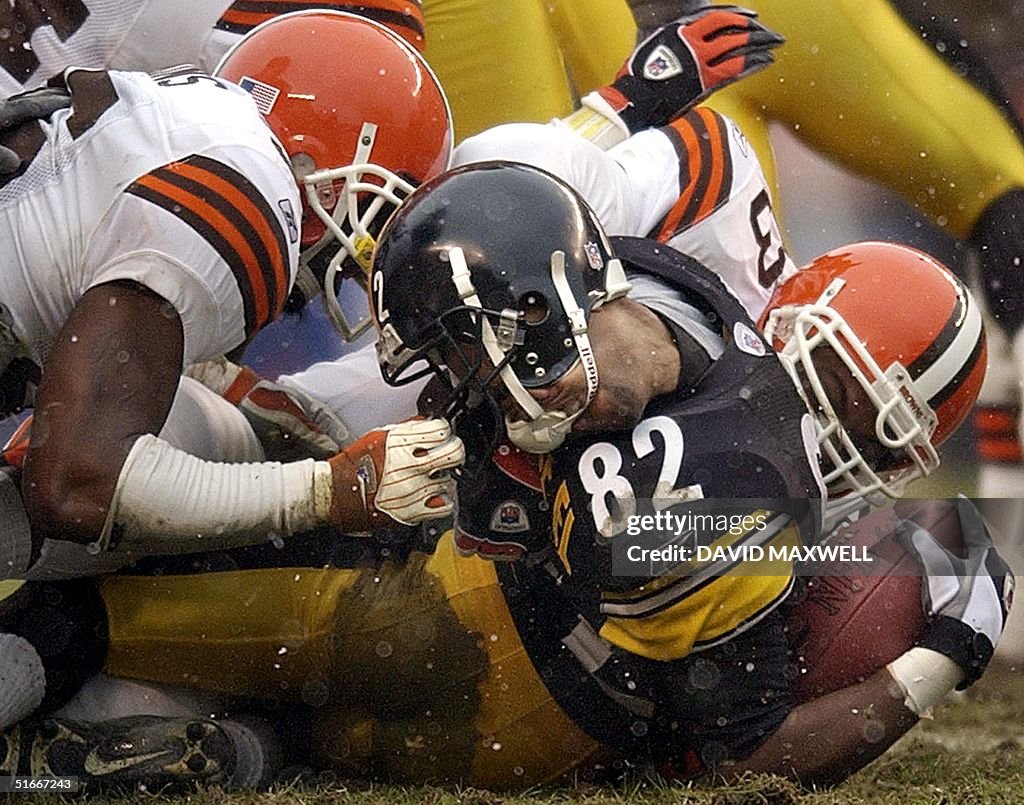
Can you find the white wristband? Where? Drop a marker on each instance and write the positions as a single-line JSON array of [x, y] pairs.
[[925, 677], [596, 121], [169, 501]]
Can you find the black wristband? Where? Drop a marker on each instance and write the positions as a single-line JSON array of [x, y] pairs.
[[653, 103], [969, 649]]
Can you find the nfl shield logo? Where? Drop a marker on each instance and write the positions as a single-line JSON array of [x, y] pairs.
[[747, 340], [662, 64], [593, 256], [657, 67]]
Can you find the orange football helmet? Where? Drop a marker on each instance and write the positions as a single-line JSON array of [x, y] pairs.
[[908, 357], [362, 119]]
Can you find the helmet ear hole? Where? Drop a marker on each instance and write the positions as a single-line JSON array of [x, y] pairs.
[[534, 307]]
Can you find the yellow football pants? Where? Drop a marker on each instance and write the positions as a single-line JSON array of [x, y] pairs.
[[415, 671], [855, 83]]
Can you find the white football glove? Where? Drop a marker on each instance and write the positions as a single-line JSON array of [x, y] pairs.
[[967, 599]]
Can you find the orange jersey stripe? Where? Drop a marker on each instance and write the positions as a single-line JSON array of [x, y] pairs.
[[701, 140], [689, 148], [218, 221], [996, 452], [404, 17], [245, 205], [716, 166], [232, 215], [997, 438], [998, 421]]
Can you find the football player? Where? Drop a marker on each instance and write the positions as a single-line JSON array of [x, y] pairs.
[[694, 181], [636, 375], [924, 117], [928, 119], [149, 35], [43, 38], [181, 230]]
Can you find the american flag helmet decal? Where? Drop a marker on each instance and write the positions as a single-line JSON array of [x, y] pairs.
[[264, 94]]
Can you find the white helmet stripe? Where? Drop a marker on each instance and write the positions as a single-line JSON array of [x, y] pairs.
[[934, 380]]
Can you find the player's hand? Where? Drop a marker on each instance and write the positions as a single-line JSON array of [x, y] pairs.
[[35, 104], [686, 60], [402, 472], [966, 598], [289, 423]]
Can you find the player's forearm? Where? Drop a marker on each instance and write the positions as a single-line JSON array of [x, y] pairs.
[[168, 501], [823, 741]]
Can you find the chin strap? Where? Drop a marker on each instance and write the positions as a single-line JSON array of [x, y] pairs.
[[545, 430]]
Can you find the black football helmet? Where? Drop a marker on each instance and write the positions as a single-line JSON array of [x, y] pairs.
[[495, 261]]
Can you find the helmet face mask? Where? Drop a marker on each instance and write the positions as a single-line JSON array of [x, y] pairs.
[[885, 389], [352, 209], [359, 136], [489, 275], [874, 428], [451, 349]]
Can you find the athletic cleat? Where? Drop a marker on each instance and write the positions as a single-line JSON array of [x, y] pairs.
[[139, 752]]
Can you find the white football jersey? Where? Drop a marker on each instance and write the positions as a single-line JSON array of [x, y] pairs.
[[174, 183], [696, 185]]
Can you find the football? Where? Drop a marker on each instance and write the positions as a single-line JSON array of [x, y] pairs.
[[853, 619]]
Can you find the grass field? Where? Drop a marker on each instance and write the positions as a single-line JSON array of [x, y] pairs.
[[972, 752]]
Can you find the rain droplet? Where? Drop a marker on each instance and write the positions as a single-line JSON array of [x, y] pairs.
[[383, 649]]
